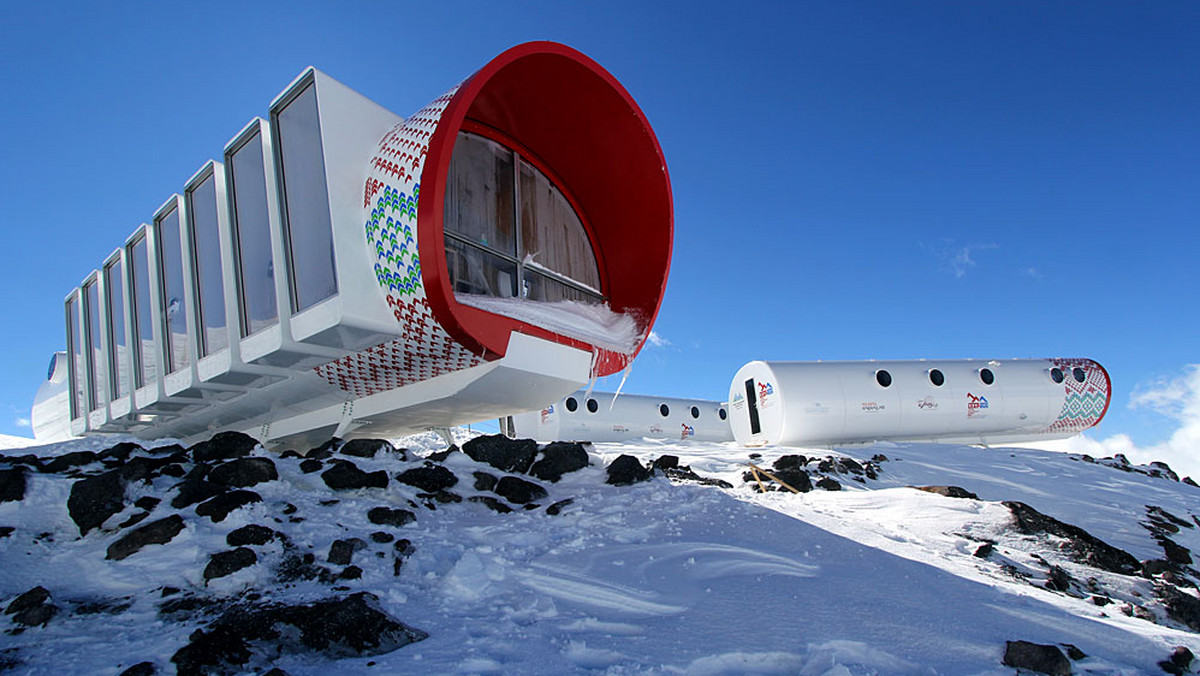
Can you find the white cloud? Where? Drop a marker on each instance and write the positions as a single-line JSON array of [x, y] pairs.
[[657, 340], [955, 257], [961, 261], [23, 422], [1175, 398]]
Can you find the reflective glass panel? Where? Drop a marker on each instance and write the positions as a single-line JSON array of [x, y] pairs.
[[118, 362], [252, 232], [170, 265], [206, 248], [75, 349], [146, 366], [306, 202], [479, 194], [97, 372], [476, 271], [552, 235]]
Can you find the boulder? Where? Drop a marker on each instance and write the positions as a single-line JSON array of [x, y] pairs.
[[785, 462], [345, 475], [141, 669], [154, 533], [948, 491], [192, 491], [229, 562], [382, 537], [221, 650], [94, 499], [519, 491], [561, 458], [34, 597], [1044, 659], [223, 446], [387, 516], [1180, 606], [325, 450], [12, 484], [491, 503], [1179, 663], [430, 479], [244, 472], [341, 552], [251, 534], [219, 507], [310, 465], [484, 481], [828, 484], [143, 468], [795, 477], [33, 608], [1085, 548], [626, 470], [368, 448], [558, 507], [61, 463], [506, 455]]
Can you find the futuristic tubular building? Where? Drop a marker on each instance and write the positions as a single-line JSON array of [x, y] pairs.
[[346, 271]]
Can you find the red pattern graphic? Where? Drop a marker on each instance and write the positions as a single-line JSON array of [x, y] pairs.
[[1086, 402]]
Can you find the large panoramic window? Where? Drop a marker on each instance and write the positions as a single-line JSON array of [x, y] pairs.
[[174, 303], [510, 232], [306, 201], [145, 363], [78, 363], [118, 352], [252, 235], [206, 252], [96, 372]]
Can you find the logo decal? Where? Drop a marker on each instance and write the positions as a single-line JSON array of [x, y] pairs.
[[976, 406], [687, 432], [764, 390], [546, 413], [927, 404], [873, 406]]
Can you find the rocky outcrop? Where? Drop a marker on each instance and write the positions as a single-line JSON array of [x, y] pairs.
[[94, 499], [154, 533], [557, 459], [244, 472], [626, 470], [1082, 545], [223, 446], [1042, 659], [345, 475], [506, 455], [12, 484], [431, 478]]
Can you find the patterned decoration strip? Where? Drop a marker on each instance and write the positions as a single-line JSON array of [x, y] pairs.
[[391, 195], [1085, 402]]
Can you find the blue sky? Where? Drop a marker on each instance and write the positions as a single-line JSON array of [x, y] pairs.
[[851, 179]]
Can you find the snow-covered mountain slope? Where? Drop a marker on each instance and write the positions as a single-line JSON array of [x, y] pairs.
[[661, 576]]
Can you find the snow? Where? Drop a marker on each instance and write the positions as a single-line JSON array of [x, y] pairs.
[[654, 578], [594, 323]]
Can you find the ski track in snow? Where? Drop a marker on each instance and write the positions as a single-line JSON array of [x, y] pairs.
[[654, 578]]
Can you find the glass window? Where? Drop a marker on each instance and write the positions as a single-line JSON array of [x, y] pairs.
[[206, 250], [937, 377], [170, 265], [97, 374], [883, 378], [572, 405], [78, 366], [543, 245], [986, 376], [664, 410], [118, 347], [1079, 374], [721, 414], [255, 269], [695, 413], [306, 202], [1056, 375], [145, 359], [592, 405]]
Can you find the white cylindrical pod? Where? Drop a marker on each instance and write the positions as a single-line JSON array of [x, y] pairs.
[[597, 417], [961, 401]]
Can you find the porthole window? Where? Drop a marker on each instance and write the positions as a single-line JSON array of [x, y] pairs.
[[592, 405], [1079, 374], [695, 412], [721, 413], [664, 410], [1056, 375], [571, 404], [937, 377], [986, 376], [883, 378]]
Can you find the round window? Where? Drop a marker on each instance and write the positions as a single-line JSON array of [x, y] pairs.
[[1056, 374], [571, 404], [937, 378], [592, 405], [1079, 374], [721, 413], [883, 378], [664, 410], [987, 376], [695, 413]]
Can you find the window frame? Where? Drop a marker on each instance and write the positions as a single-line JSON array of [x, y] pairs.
[[257, 129], [206, 173]]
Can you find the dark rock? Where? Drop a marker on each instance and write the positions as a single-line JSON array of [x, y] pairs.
[[368, 448], [796, 477], [341, 552], [1074, 652], [440, 456], [310, 465], [519, 491], [789, 462], [1180, 661], [12, 484], [1176, 553], [1044, 659], [154, 533], [685, 473], [506, 455], [1180, 606], [229, 562], [62, 463], [661, 463], [289, 508], [223, 446], [325, 450], [1188, 480], [484, 481], [386, 516], [147, 503], [244, 472], [94, 499], [6, 531], [948, 491], [382, 537], [219, 507], [1153, 567], [1164, 470], [1058, 579], [827, 465], [121, 451], [34, 597], [141, 669], [345, 475], [403, 550], [561, 458], [879, 457], [291, 454], [133, 520], [492, 503], [192, 491], [296, 567], [1086, 548], [557, 508], [351, 573], [984, 550], [221, 650], [36, 616], [1101, 601], [849, 466], [429, 479], [626, 470], [251, 534], [142, 468], [1161, 517], [828, 484], [173, 470]]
